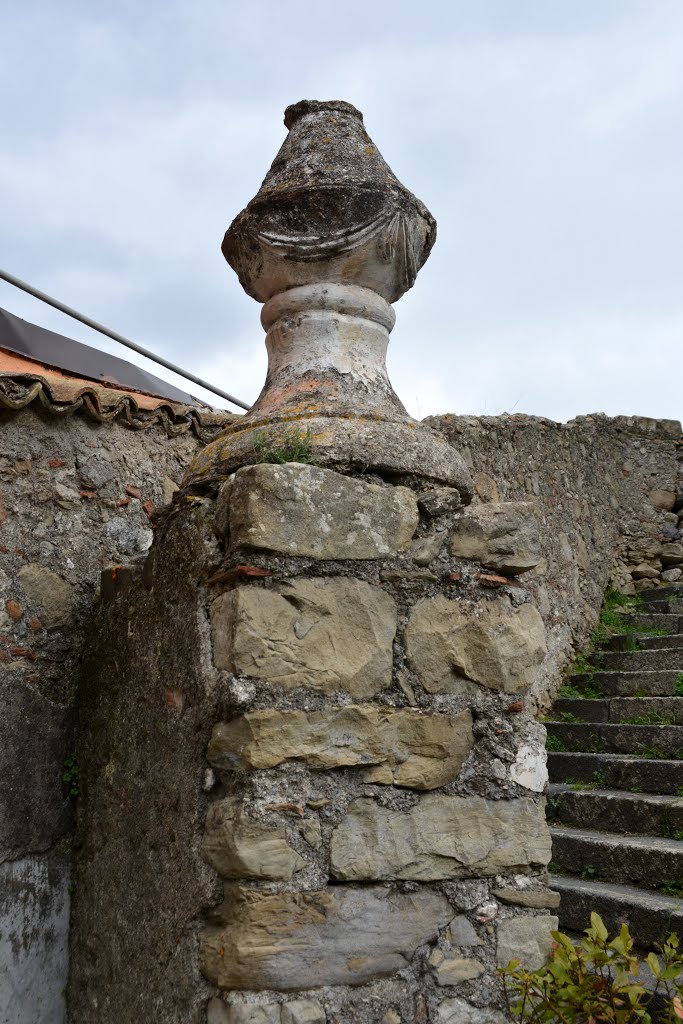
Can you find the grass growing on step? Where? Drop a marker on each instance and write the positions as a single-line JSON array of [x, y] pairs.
[[590, 692], [658, 754], [555, 744], [678, 685], [672, 889], [598, 782], [651, 718], [588, 872], [568, 716], [582, 667]]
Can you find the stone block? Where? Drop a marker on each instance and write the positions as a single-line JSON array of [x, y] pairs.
[[672, 554], [440, 837], [303, 1011], [339, 936], [457, 1011], [453, 970], [316, 513], [535, 899], [499, 535], [251, 1013], [525, 938], [239, 847], [51, 594], [462, 932], [530, 768], [397, 747], [452, 645], [324, 634], [438, 501]]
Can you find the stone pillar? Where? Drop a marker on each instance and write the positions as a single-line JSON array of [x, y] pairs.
[[311, 788]]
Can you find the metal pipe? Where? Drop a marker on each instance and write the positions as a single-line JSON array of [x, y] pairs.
[[115, 336]]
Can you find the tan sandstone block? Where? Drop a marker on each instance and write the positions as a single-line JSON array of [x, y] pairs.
[[499, 535], [339, 936], [452, 970], [527, 939], [452, 645], [324, 634], [239, 847], [308, 511], [303, 1011], [404, 747], [440, 837]]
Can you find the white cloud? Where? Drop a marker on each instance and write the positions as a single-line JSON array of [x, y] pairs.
[[544, 138]]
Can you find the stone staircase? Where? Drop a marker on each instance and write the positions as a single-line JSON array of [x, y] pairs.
[[615, 758]]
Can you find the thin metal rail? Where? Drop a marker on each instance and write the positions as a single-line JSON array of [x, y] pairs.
[[115, 336]]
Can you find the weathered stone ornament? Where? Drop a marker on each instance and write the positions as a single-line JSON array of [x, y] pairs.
[[329, 242]]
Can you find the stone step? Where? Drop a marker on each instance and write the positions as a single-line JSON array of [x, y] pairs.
[[644, 861], [617, 771], [662, 742], [652, 620], [628, 684], [622, 710], [665, 659], [650, 916], [642, 641], [665, 607], [671, 593], [615, 811]]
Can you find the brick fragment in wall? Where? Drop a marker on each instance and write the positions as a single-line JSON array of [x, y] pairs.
[[240, 847], [498, 535], [401, 747], [452, 645], [325, 634], [337, 936], [312, 512], [440, 837]]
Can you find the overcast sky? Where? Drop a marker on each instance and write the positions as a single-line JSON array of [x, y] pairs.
[[546, 137]]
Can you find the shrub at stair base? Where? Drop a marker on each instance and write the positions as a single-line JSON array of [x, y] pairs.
[[595, 981]]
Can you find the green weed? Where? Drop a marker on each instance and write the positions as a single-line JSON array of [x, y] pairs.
[[678, 685], [289, 445], [70, 775], [555, 744]]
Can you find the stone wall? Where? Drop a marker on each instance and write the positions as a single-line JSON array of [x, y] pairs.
[[312, 789], [75, 496], [608, 497]]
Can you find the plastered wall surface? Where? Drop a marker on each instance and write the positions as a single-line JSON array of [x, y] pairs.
[[74, 497]]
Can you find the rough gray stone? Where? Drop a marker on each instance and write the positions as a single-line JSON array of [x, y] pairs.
[[525, 938], [424, 550], [303, 1011], [499, 535], [308, 511], [440, 837], [51, 594], [338, 936], [462, 933], [396, 747], [452, 645], [239, 847], [438, 501], [325, 634]]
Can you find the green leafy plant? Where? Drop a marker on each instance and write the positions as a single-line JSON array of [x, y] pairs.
[[595, 981], [678, 685], [581, 666], [70, 775], [568, 716], [555, 744], [588, 872], [678, 835], [289, 445], [672, 889], [599, 777]]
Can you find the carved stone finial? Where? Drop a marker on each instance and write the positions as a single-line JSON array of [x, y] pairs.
[[331, 239]]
